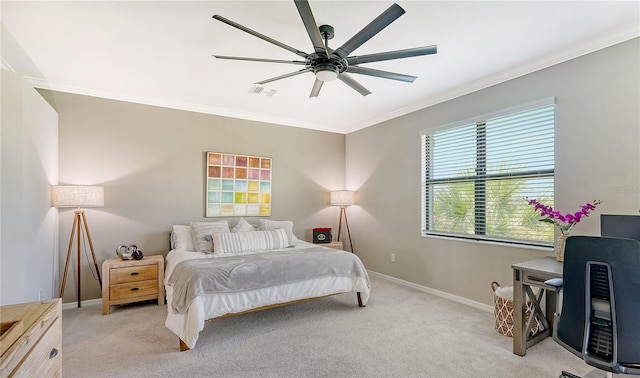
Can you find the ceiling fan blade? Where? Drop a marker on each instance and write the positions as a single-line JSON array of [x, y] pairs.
[[389, 55], [317, 85], [261, 36], [353, 84], [259, 59], [382, 74], [284, 76], [381, 22], [312, 28]]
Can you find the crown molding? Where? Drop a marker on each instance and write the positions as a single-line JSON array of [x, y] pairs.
[[191, 107], [5, 65], [617, 36]]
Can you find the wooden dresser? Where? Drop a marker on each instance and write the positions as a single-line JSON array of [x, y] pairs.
[[128, 281], [33, 347]]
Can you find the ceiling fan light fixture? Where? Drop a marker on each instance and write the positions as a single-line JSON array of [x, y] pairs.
[[326, 72]]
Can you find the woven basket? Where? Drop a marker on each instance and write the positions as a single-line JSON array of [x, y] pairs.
[[503, 311]]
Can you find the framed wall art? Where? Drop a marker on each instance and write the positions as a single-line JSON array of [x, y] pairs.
[[237, 185]]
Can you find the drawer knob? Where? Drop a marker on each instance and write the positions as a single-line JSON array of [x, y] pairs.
[[135, 288], [53, 353], [135, 273]]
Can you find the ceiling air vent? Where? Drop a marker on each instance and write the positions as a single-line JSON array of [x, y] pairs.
[[260, 90]]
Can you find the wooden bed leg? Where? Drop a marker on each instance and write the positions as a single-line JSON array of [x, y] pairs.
[[183, 346], [359, 302]]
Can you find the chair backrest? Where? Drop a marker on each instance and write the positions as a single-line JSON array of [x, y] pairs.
[[600, 318]]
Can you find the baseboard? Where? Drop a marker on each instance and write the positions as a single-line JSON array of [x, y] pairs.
[[442, 294], [90, 302]]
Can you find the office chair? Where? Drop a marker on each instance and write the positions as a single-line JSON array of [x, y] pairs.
[[599, 320]]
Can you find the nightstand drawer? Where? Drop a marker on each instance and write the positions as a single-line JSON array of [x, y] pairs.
[[133, 273], [133, 289]]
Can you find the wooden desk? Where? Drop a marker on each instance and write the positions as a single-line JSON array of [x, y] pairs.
[[525, 275]]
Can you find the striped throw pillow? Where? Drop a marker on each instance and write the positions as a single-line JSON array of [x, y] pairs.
[[229, 243], [267, 224]]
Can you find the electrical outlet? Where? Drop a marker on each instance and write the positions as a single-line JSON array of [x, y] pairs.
[[393, 257]]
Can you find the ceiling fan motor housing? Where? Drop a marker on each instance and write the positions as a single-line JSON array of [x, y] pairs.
[[326, 68]]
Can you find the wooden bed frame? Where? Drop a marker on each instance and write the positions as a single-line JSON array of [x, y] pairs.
[[184, 347]]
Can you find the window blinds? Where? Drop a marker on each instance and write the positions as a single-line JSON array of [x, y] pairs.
[[475, 175]]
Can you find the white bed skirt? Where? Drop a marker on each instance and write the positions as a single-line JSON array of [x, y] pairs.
[[188, 325]]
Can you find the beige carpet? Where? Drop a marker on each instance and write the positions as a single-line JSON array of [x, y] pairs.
[[401, 333]]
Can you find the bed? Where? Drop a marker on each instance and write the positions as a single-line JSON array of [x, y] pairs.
[[229, 272]]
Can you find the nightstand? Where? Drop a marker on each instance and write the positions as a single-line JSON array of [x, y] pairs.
[[128, 281], [334, 244]]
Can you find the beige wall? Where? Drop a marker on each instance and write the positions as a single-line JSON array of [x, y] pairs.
[[150, 161], [597, 157], [29, 166]]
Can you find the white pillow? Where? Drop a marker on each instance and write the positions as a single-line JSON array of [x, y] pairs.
[[181, 238], [202, 240], [266, 224], [243, 226], [230, 243]]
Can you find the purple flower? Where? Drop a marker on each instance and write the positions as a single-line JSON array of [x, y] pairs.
[[578, 216], [564, 222]]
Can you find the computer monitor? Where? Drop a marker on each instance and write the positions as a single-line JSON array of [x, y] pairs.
[[620, 226]]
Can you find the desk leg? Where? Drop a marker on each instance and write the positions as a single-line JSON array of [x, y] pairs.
[[519, 339], [550, 306]]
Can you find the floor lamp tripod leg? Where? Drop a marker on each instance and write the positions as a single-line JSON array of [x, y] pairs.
[[340, 223], [346, 221], [93, 254], [66, 265], [79, 255]]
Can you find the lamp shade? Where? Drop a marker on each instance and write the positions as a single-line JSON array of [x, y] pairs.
[[342, 198], [77, 196]]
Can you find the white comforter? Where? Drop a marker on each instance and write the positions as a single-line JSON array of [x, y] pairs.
[[187, 326]]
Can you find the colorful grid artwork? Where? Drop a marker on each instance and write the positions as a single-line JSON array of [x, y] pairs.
[[238, 185]]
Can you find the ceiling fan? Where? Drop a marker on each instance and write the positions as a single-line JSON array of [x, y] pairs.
[[328, 64]]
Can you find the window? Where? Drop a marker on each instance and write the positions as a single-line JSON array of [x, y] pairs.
[[476, 173]]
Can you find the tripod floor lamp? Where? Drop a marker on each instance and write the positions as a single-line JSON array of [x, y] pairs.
[[343, 198], [79, 197]]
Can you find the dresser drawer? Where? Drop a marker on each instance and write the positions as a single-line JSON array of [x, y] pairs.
[[133, 273], [37, 352], [45, 359], [133, 289]]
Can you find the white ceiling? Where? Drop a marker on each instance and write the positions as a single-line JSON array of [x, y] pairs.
[[160, 52]]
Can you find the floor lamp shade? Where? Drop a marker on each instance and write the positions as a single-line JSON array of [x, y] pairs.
[[342, 198], [77, 196]]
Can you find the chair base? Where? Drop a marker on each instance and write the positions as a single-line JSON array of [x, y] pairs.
[[592, 374]]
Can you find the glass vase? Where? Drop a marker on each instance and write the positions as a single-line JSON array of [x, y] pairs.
[[558, 246]]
